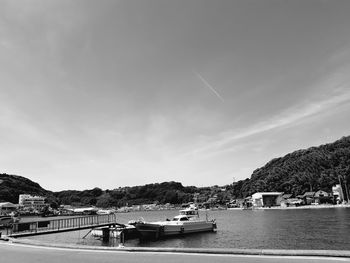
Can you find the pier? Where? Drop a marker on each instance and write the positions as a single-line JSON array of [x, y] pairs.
[[51, 226]]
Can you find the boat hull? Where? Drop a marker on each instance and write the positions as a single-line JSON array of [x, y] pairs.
[[158, 230]]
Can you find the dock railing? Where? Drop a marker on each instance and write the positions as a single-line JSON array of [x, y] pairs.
[[59, 225]]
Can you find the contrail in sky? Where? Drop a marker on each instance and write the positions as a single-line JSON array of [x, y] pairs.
[[208, 85]]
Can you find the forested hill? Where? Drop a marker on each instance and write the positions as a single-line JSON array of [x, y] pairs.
[[316, 168], [11, 186], [166, 192]]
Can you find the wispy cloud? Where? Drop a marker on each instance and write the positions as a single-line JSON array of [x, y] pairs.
[[291, 116], [206, 83]]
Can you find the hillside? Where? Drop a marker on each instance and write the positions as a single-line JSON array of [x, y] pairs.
[[11, 186], [166, 192], [316, 168]]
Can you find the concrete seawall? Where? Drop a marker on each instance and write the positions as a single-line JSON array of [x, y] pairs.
[[208, 251]]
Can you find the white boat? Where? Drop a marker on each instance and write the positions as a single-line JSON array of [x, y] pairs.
[[187, 222]]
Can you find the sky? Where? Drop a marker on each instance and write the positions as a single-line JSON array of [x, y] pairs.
[[122, 93]]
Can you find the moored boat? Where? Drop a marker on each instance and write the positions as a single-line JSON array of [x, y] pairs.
[[129, 232], [187, 222]]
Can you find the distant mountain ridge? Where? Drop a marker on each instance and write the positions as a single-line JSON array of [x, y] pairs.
[[312, 169]]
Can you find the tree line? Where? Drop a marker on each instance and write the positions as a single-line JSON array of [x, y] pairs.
[[312, 169]]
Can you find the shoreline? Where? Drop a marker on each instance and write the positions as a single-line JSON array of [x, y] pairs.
[[294, 207], [184, 251]]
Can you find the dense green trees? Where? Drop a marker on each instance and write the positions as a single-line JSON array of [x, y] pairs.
[[11, 186], [316, 168], [74, 197], [167, 192]]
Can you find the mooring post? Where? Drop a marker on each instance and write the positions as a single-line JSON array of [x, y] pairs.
[[105, 234], [121, 238]]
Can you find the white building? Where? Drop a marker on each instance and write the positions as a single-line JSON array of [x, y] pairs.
[[29, 201], [266, 199], [338, 193]]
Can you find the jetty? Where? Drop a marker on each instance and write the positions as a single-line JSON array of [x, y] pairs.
[[51, 226]]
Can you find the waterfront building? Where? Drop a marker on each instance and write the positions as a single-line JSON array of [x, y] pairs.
[[148, 207], [136, 207], [84, 210], [289, 201], [266, 199], [31, 202], [309, 198], [322, 197], [247, 202], [338, 193], [287, 196]]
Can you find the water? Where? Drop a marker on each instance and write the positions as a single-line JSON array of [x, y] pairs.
[[258, 229]]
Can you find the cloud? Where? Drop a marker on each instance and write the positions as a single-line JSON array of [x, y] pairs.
[[333, 95], [206, 83]]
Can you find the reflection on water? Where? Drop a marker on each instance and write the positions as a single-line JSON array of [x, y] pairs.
[[264, 229]]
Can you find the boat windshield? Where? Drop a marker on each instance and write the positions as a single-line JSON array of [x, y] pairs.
[[189, 212], [183, 218]]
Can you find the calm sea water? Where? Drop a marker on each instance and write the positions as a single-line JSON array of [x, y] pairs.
[[258, 229]]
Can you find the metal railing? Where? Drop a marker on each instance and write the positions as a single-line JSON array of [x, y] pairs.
[[63, 224]]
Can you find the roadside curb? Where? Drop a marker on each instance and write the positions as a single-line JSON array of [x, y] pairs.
[[215, 251]]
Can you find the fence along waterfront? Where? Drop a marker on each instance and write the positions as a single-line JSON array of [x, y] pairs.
[[60, 225]]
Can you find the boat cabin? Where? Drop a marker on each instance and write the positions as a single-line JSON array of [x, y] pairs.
[[181, 218], [189, 212]]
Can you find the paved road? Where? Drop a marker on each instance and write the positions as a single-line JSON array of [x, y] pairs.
[[14, 253]]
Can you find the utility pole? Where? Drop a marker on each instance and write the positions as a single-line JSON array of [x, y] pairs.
[[341, 188], [345, 186], [346, 190]]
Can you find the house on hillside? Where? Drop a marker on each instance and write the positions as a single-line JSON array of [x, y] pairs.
[[322, 197], [289, 201], [309, 198]]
